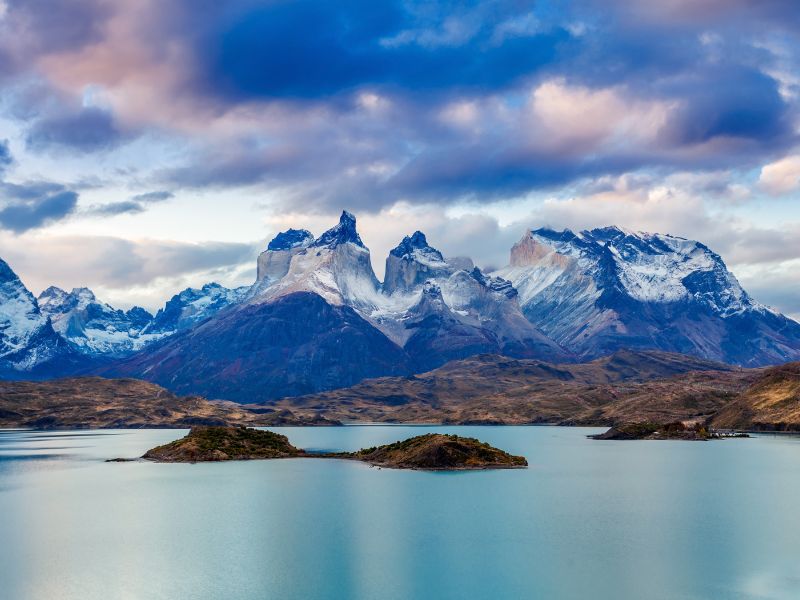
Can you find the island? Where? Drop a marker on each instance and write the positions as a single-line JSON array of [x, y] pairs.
[[663, 431], [439, 452], [211, 444], [432, 451]]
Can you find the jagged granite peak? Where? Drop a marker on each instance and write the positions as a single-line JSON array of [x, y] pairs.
[[291, 238], [139, 317], [193, 306], [52, 295], [602, 289], [412, 262], [495, 284], [342, 233], [274, 262], [413, 243], [93, 327], [27, 338], [336, 266]]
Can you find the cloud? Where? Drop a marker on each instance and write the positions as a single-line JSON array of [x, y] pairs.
[[125, 271], [350, 100], [782, 176], [34, 204], [150, 197], [6, 160], [90, 129], [112, 209], [775, 286], [136, 204], [259, 54]]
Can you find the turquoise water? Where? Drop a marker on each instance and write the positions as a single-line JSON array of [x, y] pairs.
[[616, 520]]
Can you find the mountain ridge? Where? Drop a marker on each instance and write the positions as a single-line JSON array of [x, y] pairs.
[[564, 297]]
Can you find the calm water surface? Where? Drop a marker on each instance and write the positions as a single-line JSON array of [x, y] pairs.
[[616, 520]]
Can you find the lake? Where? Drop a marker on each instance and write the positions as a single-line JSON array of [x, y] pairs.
[[588, 519]]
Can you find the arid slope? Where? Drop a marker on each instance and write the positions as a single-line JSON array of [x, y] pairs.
[[772, 403], [95, 403], [627, 386]]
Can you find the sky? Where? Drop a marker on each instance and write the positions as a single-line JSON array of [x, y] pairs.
[[148, 146]]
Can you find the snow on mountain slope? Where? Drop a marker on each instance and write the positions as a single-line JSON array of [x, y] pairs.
[[93, 327], [273, 264], [27, 338], [600, 290], [412, 263], [335, 266], [192, 306]]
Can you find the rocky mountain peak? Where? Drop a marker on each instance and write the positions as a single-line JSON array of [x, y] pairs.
[[432, 290], [342, 233], [27, 338], [495, 284], [415, 244], [52, 296], [412, 262], [291, 238], [83, 294]]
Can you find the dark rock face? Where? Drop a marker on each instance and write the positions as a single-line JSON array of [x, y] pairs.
[[440, 335], [291, 238], [294, 345], [342, 233]]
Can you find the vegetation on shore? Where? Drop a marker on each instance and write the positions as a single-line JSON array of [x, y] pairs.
[[432, 451], [211, 444], [661, 431], [435, 451]]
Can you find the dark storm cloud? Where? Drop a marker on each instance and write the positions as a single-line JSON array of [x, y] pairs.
[[309, 49], [89, 129], [711, 68], [32, 205], [729, 101]]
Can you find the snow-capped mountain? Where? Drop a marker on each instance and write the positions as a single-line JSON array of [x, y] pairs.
[[335, 266], [192, 306], [318, 318], [27, 338], [600, 290], [437, 310], [412, 263], [93, 327]]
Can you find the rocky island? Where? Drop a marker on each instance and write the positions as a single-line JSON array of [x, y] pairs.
[[432, 451], [658, 431], [211, 444], [437, 451]]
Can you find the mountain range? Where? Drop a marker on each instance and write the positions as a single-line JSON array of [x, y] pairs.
[[317, 318]]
